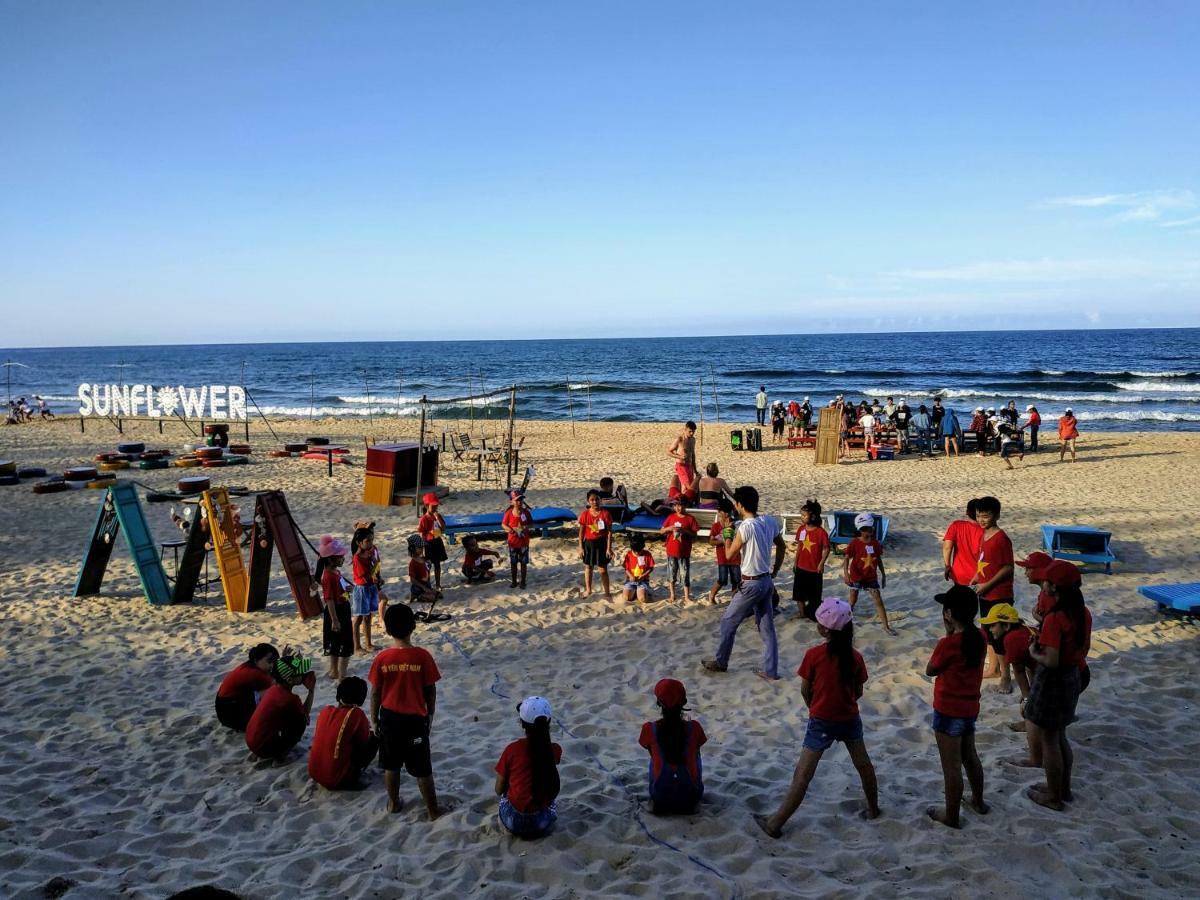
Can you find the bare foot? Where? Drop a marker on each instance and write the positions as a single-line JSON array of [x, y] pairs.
[[979, 806], [435, 812], [1017, 726], [890, 630], [711, 665], [1068, 796], [938, 815], [765, 825], [395, 806], [1041, 798], [1004, 687], [869, 814], [1021, 762], [368, 647]]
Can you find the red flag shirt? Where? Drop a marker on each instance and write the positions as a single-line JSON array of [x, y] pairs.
[[812, 542], [401, 674], [340, 730]]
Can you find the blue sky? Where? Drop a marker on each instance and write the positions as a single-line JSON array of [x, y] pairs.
[[177, 172]]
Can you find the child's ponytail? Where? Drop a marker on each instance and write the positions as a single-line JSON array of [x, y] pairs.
[[840, 647], [672, 735], [541, 759]]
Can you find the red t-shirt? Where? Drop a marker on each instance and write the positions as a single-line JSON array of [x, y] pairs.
[[366, 570], [430, 526], [1045, 603], [966, 537], [340, 729], [639, 565], [245, 678], [864, 559], [680, 545], [956, 688], [994, 554], [521, 520], [812, 542], [696, 738], [418, 570], [1059, 631], [332, 587], [279, 708], [401, 674], [471, 560], [595, 526], [832, 700], [517, 768], [715, 537], [1016, 646]]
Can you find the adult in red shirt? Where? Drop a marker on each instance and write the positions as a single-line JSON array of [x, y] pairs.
[[280, 718], [681, 529], [960, 547], [1068, 431], [595, 542], [1060, 652], [1032, 424], [812, 552], [517, 522], [240, 689], [403, 699], [342, 743]]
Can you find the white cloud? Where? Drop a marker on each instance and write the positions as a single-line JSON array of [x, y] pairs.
[[1138, 206], [1042, 270], [1181, 223]]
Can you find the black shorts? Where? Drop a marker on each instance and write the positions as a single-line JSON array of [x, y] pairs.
[[435, 550], [404, 743], [337, 643], [235, 712], [595, 553], [806, 592]]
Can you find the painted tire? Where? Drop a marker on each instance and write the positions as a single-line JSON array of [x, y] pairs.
[[239, 449], [80, 473], [194, 484], [236, 460], [107, 457], [215, 463], [216, 428], [295, 448], [209, 452], [153, 464], [7, 480], [156, 454], [279, 454], [131, 448], [31, 472], [189, 448], [188, 462], [97, 483], [8, 467], [114, 466], [324, 458], [159, 497], [50, 487], [317, 441]]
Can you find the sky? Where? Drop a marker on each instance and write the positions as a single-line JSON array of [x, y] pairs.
[[190, 172]]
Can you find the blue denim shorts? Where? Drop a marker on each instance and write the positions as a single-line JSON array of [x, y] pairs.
[[640, 584], [518, 555], [365, 600], [954, 726], [872, 585], [527, 824], [821, 734], [729, 575]]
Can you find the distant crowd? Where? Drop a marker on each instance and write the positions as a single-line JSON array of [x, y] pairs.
[[20, 412]]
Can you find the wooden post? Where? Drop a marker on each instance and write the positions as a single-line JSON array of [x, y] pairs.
[[420, 457], [700, 385], [246, 422], [367, 385], [716, 400], [81, 429], [570, 407], [512, 413]]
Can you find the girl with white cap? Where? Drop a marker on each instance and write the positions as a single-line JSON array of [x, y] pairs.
[[527, 774], [863, 569], [832, 676]]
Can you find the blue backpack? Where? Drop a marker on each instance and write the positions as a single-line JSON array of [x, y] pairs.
[[674, 790]]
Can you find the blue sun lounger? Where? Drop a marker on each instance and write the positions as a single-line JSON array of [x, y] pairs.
[[544, 518], [1183, 598], [1079, 543], [840, 526]]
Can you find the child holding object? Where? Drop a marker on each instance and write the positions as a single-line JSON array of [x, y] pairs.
[[527, 774], [419, 586], [430, 526], [993, 580], [364, 601], [957, 669], [638, 564], [343, 744], [812, 552], [595, 542], [241, 689], [476, 566], [516, 523], [676, 774], [280, 718], [680, 529], [832, 676], [729, 570], [337, 637], [863, 569]]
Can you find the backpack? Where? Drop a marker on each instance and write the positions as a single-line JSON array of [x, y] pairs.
[[674, 790]]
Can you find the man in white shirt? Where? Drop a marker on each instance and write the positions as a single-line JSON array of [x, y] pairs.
[[867, 423], [760, 404], [753, 539]]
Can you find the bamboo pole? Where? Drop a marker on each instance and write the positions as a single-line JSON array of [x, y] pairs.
[[700, 386], [512, 414], [420, 458], [716, 400], [367, 385], [570, 407]]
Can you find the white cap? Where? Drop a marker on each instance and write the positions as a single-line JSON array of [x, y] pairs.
[[979, 409], [1068, 409], [805, 399], [534, 708], [903, 402], [1029, 408], [864, 520]]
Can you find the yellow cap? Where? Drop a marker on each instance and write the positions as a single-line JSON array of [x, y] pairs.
[[1002, 612]]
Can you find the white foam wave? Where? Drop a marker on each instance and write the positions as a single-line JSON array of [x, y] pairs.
[[582, 385], [1137, 416], [1026, 396], [1135, 372], [1185, 388], [336, 411], [378, 401]]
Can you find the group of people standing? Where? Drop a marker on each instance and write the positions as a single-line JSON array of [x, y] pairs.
[[20, 412]]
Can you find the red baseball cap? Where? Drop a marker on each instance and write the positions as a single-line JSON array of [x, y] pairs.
[[1036, 560], [670, 693], [430, 499], [1059, 573]]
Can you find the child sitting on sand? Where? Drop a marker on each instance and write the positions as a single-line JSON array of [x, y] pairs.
[[638, 565], [337, 637], [419, 586], [832, 676], [476, 566], [676, 775], [729, 568], [241, 689], [430, 526], [957, 669], [812, 552], [343, 744], [280, 718], [863, 570], [527, 774], [403, 699]]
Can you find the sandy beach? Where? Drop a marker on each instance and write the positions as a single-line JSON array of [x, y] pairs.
[[116, 776]]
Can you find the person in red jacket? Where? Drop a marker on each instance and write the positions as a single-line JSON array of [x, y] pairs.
[[240, 690], [1031, 426], [1068, 431], [280, 718], [527, 780], [343, 744]]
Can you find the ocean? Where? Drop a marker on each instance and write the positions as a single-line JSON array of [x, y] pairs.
[[1142, 380]]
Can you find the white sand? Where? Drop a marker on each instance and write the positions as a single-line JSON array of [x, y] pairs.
[[115, 775]]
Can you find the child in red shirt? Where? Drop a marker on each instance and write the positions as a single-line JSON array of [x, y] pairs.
[[676, 773], [812, 552], [337, 634], [595, 542], [729, 568], [240, 690], [863, 568], [342, 743], [527, 774], [993, 581], [638, 565], [280, 718], [430, 526], [403, 699], [832, 676], [516, 524], [367, 598], [681, 529], [957, 669], [476, 566], [960, 547], [419, 586]]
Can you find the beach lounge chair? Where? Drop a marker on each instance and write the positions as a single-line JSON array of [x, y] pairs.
[[544, 519], [1079, 543], [1183, 598], [840, 526]]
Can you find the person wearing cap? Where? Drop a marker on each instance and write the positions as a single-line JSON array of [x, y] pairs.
[[241, 689], [832, 676], [993, 579], [1010, 441], [680, 530], [1031, 564], [366, 596], [676, 780], [527, 773], [753, 538], [867, 423], [978, 428], [956, 668], [403, 701], [902, 418], [280, 718], [1061, 653], [812, 553], [863, 569], [595, 543], [806, 412], [337, 628], [1006, 629], [760, 404], [343, 744], [1068, 431], [793, 418], [431, 526], [516, 523], [1033, 422], [778, 422], [420, 587]]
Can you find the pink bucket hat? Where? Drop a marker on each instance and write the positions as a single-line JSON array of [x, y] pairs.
[[330, 546], [834, 614]]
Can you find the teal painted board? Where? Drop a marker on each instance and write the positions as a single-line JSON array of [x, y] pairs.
[[141, 544], [99, 549]]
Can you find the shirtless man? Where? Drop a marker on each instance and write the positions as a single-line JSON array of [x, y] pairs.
[[683, 451]]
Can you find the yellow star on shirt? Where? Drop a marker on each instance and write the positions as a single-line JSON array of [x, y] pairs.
[[808, 544], [868, 562], [980, 566]]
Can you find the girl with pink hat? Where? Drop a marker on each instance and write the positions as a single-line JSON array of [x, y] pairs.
[[832, 676], [337, 629]]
